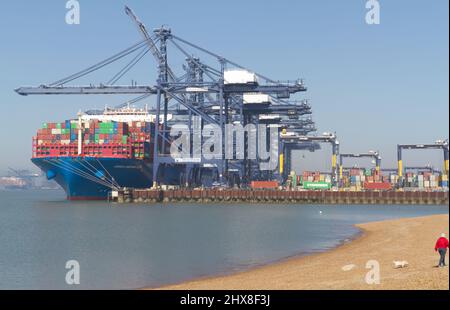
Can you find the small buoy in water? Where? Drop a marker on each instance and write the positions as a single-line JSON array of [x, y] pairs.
[[320, 212]]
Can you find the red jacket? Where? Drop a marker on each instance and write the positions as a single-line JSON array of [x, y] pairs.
[[442, 243]]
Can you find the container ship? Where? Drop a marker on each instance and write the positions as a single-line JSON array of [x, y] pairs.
[[94, 154]]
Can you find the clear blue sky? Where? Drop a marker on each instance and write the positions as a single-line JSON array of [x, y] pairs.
[[376, 86]]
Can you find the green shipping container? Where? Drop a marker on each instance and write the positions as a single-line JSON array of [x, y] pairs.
[[106, 131], [124, 139], [44, 126], [316, 185], [58, 125]]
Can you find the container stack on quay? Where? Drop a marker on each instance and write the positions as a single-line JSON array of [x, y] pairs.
[[98, 139], [357, 179], [309, 180], [444, 180], [394, 178], [425, 180], [353, 180], [314, 180]]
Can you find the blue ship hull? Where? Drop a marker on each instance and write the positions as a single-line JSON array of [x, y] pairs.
[[88, 178]]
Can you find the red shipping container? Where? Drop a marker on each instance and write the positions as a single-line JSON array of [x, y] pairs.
[[264, 184], [377, 186]]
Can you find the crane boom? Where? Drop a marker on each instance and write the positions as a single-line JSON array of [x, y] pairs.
[[85, 90], [151, 44]]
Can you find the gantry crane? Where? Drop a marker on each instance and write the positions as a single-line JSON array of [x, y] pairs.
[[374, 155], [439, 145], [294, 141], [201, 92], [428, 168]]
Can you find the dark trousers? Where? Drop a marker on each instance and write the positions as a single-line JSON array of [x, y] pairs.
[[442, 252]]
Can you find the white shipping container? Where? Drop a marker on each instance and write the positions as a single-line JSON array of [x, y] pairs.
[[426, 184], [65, 142], [56, 131], [256, 98], [239, 77]]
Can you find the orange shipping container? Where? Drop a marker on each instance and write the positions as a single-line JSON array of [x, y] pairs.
[[264, 184], [377, 186]]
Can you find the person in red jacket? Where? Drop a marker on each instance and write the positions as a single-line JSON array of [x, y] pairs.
[[441, 247]]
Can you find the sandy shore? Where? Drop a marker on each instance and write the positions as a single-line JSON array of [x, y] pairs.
[[410, 239]]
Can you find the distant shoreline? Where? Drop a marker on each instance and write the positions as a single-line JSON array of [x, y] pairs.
[[344, 267]]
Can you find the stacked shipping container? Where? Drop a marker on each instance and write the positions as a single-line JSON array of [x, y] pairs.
[[99, 139], [311, 180], [425, 180], [357, 179]]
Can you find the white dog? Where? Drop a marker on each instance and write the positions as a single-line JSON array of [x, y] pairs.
[[400, 264]]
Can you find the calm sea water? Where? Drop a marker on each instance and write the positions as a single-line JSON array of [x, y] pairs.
[[133, 246]]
